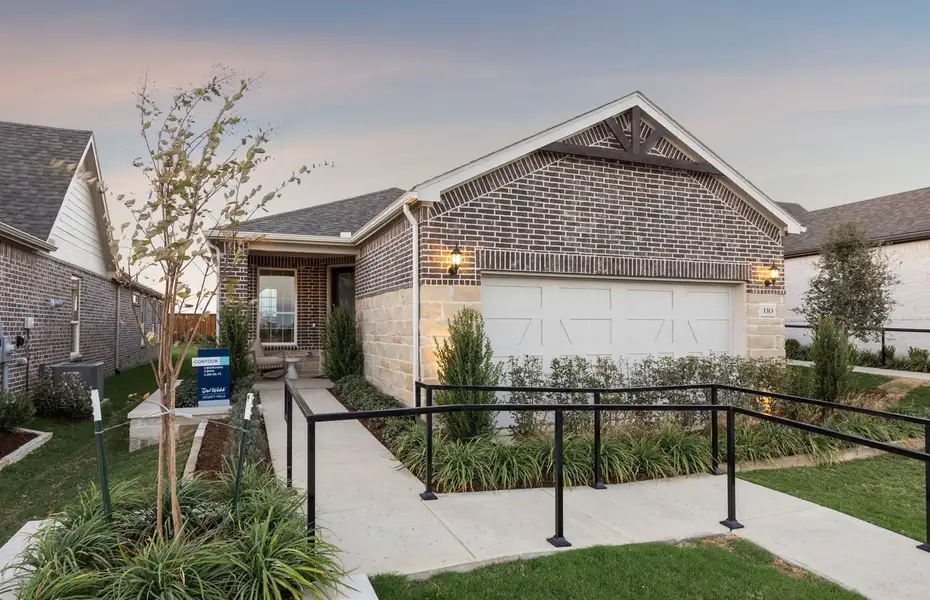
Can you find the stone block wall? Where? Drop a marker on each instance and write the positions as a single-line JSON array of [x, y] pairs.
[[386, 325], [439, 303], [765, 336]]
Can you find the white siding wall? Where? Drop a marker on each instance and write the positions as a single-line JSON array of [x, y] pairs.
[[911, 261], [76, 230]]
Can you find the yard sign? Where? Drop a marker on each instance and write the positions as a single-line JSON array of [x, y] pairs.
[[212, 366]]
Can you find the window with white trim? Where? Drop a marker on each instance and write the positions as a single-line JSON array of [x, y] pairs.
[[277, 306], [75, 316]]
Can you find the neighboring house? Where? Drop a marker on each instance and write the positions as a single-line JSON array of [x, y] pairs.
[[901, 222], [55, 264], [580, 240]]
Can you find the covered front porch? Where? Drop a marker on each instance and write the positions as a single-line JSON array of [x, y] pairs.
[[290, 294]]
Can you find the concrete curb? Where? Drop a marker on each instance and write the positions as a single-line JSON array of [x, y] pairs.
[[27, 448], [191, 465]]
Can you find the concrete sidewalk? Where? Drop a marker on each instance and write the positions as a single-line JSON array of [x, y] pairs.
[[873, 371], [369, 507]]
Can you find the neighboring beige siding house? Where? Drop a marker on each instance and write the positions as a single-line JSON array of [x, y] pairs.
[[901, 223], [614, 233]]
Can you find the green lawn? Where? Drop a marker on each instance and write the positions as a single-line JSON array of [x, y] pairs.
[[867, 381], [917, 400], [719, 569], [887, 490], [46, 480]]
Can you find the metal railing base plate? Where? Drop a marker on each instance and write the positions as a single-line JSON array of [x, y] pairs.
[[732, 524], [559, 541]]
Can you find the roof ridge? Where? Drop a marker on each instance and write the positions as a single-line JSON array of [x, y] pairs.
[[50, 127], [296, 210]]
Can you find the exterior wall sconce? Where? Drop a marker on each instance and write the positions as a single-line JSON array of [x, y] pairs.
[[774, 274], [455, 260]]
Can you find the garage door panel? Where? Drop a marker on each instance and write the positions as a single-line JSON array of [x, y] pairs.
[[512, 298], [587, 333], [514, 333], [551, 317]]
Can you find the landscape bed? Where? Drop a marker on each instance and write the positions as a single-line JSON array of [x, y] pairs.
[[646, 446]]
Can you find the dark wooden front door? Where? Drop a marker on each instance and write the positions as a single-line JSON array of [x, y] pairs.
[[342, 286]]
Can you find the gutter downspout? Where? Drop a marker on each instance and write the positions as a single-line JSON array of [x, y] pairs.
[[415, 249]]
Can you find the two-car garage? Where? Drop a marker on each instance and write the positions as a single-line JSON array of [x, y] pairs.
[[560, 316]]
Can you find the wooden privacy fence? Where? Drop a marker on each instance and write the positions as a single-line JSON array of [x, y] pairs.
[[186, 323]]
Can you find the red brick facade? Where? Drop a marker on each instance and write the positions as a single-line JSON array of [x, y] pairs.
[[31, 281]]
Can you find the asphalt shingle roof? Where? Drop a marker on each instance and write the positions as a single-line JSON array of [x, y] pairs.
[[31, 190], [895, 218], [331, 219]]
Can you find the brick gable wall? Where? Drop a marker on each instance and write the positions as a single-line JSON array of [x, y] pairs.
[[385, 260], [598, 217], [29, 281]]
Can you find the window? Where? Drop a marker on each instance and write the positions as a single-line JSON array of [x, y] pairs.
[[277, 307], [75, 316], [135, 299]]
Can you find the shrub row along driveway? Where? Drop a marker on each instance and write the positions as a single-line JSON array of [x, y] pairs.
[[46, 480]]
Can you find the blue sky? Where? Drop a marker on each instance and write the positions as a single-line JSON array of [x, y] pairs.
[[816, 102]]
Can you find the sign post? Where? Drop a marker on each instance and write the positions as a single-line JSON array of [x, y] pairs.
[[212, 366]]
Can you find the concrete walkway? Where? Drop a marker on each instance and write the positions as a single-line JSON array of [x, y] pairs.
[[370, 509], [874, 371]]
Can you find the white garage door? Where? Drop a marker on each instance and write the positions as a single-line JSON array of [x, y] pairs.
[[550, 317]]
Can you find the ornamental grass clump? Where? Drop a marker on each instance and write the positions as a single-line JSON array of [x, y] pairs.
[[259, 549]]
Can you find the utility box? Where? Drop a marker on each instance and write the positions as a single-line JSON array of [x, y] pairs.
[[90, 372]]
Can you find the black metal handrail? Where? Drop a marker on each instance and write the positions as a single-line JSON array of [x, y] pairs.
[[883, 330], [558, 539]]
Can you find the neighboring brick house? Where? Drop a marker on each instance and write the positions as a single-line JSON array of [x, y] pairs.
[[899, 222], [613, 233], [55, 266]]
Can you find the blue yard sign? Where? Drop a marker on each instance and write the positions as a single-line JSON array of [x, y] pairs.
[[212, 366]]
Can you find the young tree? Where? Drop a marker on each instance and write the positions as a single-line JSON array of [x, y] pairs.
[[199, 159], [854, 283]]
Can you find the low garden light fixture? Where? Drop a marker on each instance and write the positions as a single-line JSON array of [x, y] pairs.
[[774, 273], [455, 260]]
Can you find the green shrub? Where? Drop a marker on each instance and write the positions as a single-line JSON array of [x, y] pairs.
[[236, 334], [465, 358], [67, 397], [342, 345], [830, 352], [15, 410], [186, 395], [204, 340], [795, 350], [260, 550]]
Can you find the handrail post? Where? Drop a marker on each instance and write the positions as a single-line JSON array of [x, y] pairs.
[[416, 394], [429, 494], [731, 521], [558, 540], [883, 347], [926, 546], [598, 478], [311, 476], [714, 433], [289, 419]]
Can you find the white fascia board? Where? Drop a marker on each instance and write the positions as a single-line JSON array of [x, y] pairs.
[[385, 215], [21, 237]]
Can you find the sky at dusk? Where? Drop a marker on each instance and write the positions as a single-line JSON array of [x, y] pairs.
[[815, 102]]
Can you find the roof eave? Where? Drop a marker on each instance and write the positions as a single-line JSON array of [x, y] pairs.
[[25, 239]]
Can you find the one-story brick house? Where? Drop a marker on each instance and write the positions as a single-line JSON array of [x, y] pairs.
[[56, 271], [580, 240]]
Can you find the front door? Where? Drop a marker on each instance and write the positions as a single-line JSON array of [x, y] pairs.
[[342, 286]]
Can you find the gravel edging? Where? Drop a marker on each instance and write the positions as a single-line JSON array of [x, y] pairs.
[[42, 437]]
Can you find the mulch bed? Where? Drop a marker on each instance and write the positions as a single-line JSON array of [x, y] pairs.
[[210, 458], [213, 447], [13, 440]]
